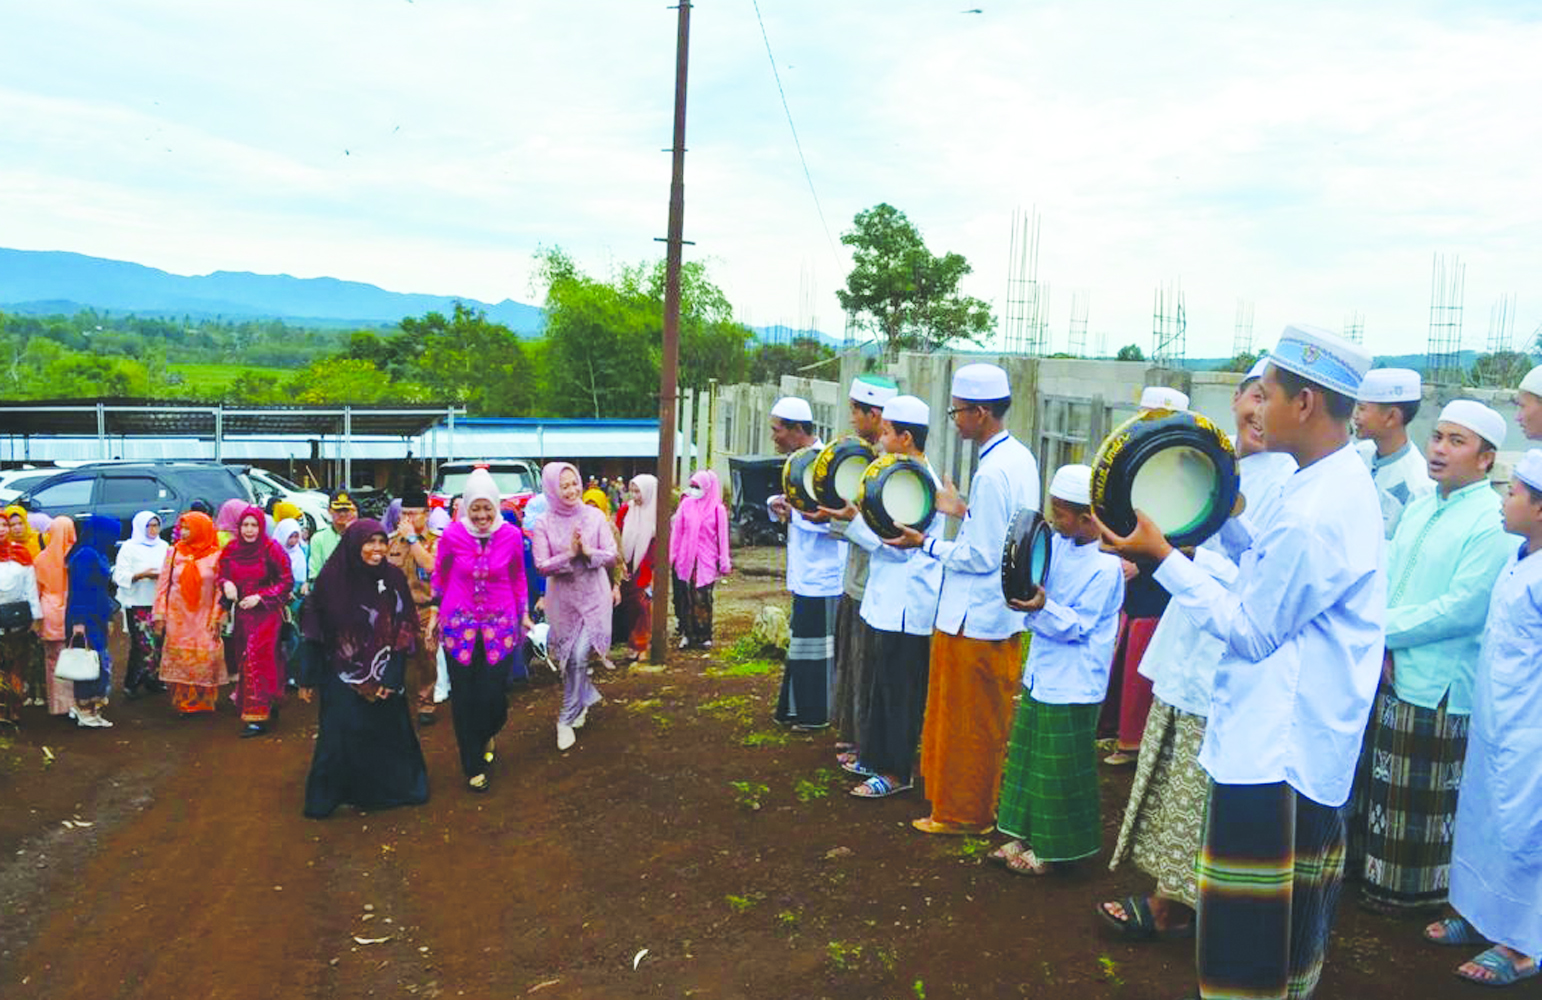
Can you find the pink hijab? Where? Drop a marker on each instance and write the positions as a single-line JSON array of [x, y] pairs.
[[698, 534], [562, 518]]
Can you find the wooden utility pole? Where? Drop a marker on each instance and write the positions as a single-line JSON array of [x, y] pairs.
[[668, 382]]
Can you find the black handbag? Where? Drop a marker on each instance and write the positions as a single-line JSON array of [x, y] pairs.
[[14, 615]]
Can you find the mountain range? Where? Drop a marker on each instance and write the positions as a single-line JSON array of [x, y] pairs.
[[46, 282]]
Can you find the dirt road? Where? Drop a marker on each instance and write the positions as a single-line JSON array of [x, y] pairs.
[[684, 823]]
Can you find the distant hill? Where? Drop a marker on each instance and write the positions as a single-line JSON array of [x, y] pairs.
[[47, 282]]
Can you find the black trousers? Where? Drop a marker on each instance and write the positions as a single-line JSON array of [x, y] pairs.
[[896, 702], [479, 706]]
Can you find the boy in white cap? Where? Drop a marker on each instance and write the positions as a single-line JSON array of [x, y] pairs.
[[899, 607], [1049, 787], [1161, 397], [1496, 869], [1441, 567], [1164, 818], [1303, 635], [854, 640], [975, 654], [815, 565], [1386, 404], [1528, 404]]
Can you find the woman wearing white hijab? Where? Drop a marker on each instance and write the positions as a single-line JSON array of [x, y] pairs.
[[140, 562], [637, 518]]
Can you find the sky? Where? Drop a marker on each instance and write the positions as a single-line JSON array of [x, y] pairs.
[[1309, 159]]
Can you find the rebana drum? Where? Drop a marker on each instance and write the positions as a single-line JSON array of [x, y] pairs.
[[1176, 466], [897, 490], [838, 471], [798, 479], [1026, 557]]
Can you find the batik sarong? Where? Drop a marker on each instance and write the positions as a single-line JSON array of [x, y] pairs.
[[1164, 819], [693, 613]]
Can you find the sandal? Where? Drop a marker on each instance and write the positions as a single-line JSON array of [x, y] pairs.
[[853, 767], [478, 784], [1027, 863], [1501, 967], [1007, 851], [1454, 931], [1119, 758], [848, 757], [1138, 922], [878, 787], [489, 750], [842, 748], [928, 825]]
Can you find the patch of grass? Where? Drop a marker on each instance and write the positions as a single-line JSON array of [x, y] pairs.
[[661, 722], [787, 919], [199, 376], [1110, 969], [728, 706], [818, 788], [765, 738], [919, 989], [972, 848], [844, 955], [749, 794], [745, 903], [748, 668], [644, 704]]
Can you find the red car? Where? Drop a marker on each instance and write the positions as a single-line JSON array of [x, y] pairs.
[[518, 480]]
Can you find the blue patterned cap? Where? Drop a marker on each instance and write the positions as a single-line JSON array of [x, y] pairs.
[[1322, 357]]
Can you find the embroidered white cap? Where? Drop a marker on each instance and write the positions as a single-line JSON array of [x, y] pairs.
[[1476, 417], [1390, 385], [793, 408], [1532, 383], [1073, 484], [907, 410], [1257, 371], [1529, 469], [1322, 357], [1160, 397], [981, 381], [874, 390]]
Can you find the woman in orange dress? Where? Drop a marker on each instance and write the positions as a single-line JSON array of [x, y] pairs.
[[186, 615], [53, 589]]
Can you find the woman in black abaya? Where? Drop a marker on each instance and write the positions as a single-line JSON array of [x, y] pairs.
[[358, 626]]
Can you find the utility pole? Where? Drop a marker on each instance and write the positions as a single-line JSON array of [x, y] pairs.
[[668, 383]]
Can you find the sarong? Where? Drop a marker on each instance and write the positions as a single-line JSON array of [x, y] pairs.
[[15, 657], [1270, 870], [636, 617], [896, 702], [1049, 789], [144, 650], [61, 694], [1164, 820], [1405, 806], [693, 613], [260, 686], [808, 679], [479, 706], [1134, 688], [969, 691], [190, 699], [855, 643]]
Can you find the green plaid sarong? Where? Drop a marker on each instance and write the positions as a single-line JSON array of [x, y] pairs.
[[1049, 791]]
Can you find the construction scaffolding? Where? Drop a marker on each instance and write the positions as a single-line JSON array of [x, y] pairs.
[[1501, 325], [1024, 328], [1354, 327], [1443, 355], [1076, 338], [1242, 333], [1169, 327]]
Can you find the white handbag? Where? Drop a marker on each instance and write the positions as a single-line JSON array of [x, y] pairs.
[[78, 663]]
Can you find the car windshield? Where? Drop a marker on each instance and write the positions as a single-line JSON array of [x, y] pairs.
[[281, 481], [509, 480]]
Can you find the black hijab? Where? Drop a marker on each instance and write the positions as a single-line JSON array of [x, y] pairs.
[[362, 613]]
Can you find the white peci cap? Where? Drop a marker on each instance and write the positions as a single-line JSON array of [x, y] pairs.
[[1073, 484], [1257, 371], [1160, 397], [1322, 357], [1476, 417], [907, 410], [874, 390], [1529, 469], [981, 382], [793, 408], [1390, 385], [1532, 383]]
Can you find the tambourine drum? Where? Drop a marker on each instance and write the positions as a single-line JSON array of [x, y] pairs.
[[1025, 560], [798, 479], [897, 490], [838, 471], [1176, 466]]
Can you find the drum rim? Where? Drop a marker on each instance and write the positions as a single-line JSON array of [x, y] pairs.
[[826, 465], [879, 470], [1038, 527], [1133, 443], [792, 487]]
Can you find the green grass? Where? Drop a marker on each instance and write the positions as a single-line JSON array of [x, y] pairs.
[[198, 376], [749, 668]]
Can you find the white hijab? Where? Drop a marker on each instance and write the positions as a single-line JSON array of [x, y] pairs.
[[480, 485], [637, 532], [299, 556]]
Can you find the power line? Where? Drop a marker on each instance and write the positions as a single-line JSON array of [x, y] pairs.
[[798, 145]]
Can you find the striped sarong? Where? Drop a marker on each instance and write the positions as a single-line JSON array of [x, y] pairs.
[[1405, 803], [1049, 791], [808, 678], [1270, 870], [1165, 818]]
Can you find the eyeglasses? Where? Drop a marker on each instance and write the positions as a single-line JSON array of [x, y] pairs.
[[956, 410]]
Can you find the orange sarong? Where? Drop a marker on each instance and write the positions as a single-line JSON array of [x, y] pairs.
[[191, 698], [970, 696]]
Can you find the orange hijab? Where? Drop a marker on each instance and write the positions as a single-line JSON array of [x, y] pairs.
[[51, 575], [196, 538], [14, 552]]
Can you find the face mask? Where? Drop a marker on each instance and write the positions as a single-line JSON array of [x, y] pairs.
[[693, 491]]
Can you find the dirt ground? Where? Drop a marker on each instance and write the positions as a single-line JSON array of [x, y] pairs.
[[685, 848]]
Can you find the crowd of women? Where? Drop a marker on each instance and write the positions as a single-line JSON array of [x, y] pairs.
[[381, 618]]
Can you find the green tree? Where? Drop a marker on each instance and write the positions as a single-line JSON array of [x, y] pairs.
[[1130, 352], [466, 358], [770, 362], [346, 380], [1241, 363], [1504, 370], [898, 291]]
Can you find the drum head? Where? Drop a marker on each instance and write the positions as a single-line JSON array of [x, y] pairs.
[[838, 471], [798, 479], [1025, 559], [1177, 467], [897, 490]]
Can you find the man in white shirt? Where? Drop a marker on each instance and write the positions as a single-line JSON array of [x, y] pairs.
[[815, 565], [1386, 404], [1528, 404], [976, 655], [1304, 631]]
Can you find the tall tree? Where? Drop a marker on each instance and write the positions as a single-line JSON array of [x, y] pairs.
[[900, 292]]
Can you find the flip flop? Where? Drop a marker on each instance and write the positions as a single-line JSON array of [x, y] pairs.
[[1006, 852], [928, 825], [1027, 863], [1139, 924], [1454, 931], [1120, 758], [1503, 967], [853, 767], [878, 787]]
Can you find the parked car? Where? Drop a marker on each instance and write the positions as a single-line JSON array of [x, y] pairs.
[[265, 485], [15, 482], [754, 479], [123, 489], [518, 480]]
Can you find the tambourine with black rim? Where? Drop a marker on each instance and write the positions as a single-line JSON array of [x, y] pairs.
[[1176, 466], [838, 471], [798, 479], [1026, 557], [897, 490]]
